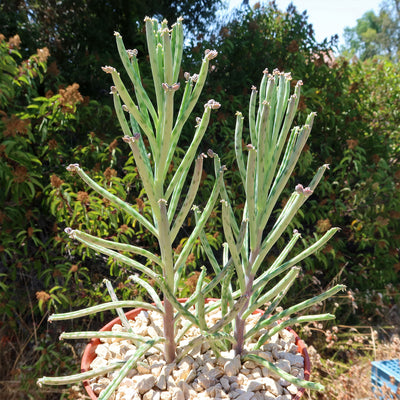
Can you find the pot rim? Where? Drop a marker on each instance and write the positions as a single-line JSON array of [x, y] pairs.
[[89, 354]]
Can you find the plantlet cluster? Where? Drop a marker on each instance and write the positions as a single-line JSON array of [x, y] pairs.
[[152, 131]]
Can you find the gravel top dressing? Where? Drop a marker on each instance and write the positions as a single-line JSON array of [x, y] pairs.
[[198, 374]]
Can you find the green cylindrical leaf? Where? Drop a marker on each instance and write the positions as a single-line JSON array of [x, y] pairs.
[[133, 109], [120, 311], [103, 335], [199, 226], [277, 230], [118, 246], [103, 307], [208, 250], [141, 94], [295, 260], [153, 294], [144, 172], [65, 380], [114, 199], [130, 364], [190, 153], [152, 46], [283, 95], [125, 260], [266, 276], [237, 307], [168, 68], [189, 198], [251, 196], [232, 246], [224, 193], [288, 377], [200, 300], [252, 116], [120, 113], [299, 307], [292, 322], [177, 47], [282, 286], [261, 173], [238, 146], [194, 97]]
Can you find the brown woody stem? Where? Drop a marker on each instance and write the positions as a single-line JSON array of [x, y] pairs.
[[169, 344]]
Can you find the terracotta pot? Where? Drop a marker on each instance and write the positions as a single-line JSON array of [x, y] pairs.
[[89, 354]]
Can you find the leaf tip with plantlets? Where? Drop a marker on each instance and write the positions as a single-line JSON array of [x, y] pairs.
[[73, 167], [306, 191], [202, 156], [131, 139], [212, 104], [210, 153], [210, 54], [108, 69], [171, 88], [117, 34], [127, 139], [132, 53], [296, 233], [250, 147], [165, 31], [113, 90], [70, 232]]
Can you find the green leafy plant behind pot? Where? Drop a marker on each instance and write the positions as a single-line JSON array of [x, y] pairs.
[[152, 130]]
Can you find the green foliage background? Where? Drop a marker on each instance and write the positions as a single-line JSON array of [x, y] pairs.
[[48, 121]]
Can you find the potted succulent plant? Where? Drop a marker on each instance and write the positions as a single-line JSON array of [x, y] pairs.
[[198, 347]]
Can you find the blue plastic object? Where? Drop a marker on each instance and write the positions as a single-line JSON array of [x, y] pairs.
[[386, 373]]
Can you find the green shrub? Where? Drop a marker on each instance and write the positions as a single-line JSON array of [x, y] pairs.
[[37, 130]]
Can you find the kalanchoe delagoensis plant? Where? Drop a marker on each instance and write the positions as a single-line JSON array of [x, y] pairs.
[[264, 166]]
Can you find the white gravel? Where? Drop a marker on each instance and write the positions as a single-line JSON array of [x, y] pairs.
[[199, 375]]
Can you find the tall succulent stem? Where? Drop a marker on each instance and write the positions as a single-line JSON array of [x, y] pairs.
[[264, 178], [240, 323], [162, 132], [169, 344]]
